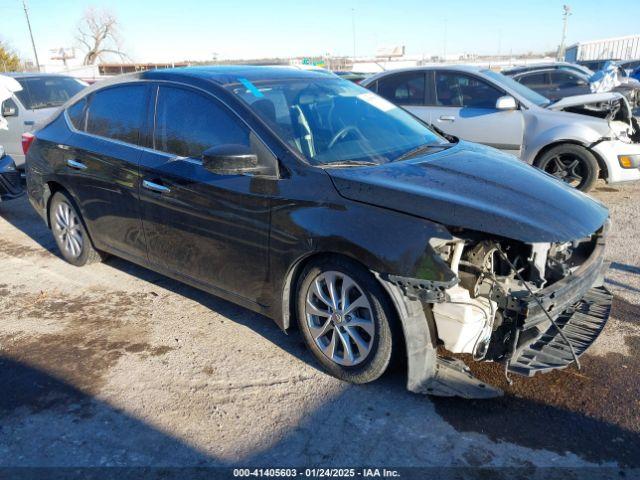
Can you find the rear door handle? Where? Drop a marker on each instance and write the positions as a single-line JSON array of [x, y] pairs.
[[76, 165], [155, 187], [29, 123], [447, 118]]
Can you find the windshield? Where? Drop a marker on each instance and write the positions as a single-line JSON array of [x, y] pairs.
[[518, 88], [332, 121], [47, 92]]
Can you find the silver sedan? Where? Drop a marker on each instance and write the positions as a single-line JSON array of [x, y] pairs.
[[577, 139]]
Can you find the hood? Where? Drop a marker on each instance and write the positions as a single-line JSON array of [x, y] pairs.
[[477, 188], [609, 106], [578, 100]]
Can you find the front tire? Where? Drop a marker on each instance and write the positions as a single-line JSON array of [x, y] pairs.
[[69, 232], [346, 320], [573, 164]]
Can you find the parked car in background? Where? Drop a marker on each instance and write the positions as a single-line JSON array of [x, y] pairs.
[[628, 66], [560, 82], [40, 96], [10, 184], [355, 77], [571, 67], [595, 65], [576, 139], [310, 199]]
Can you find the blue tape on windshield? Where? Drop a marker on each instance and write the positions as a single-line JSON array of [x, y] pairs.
[[251, 87]]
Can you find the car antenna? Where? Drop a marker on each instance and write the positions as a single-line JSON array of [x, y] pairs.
[[564, 337]]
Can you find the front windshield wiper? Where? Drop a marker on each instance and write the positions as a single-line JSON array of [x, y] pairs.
[[348, 163], [422, 149]]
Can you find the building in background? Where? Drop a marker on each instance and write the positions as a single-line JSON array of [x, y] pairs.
[[619, 48]]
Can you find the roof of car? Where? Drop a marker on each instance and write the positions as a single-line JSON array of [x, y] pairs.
[[458, 68], [231, 73], [539, 66]]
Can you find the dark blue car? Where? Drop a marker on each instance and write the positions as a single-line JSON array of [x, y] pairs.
[[317, 203]]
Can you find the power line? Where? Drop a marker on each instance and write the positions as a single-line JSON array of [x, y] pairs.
[[33, 43]]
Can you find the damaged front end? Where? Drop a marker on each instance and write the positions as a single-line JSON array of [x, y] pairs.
[[533, 307], [615, 108]]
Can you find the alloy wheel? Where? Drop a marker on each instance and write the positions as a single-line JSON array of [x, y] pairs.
[[567, 168], [68, 230], [340, 318]]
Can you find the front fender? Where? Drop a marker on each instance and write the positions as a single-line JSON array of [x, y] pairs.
[[579, 134], [384, 241]]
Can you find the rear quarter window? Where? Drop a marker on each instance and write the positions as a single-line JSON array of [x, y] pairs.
[[118, 113], [77, 115]]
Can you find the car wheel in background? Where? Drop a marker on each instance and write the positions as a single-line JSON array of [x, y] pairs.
[[346, 319], [573, 164], [70, 233]]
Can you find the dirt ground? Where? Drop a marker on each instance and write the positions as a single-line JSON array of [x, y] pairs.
[[115, 365]]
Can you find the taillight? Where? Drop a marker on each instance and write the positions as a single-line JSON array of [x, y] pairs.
[[27, 140]]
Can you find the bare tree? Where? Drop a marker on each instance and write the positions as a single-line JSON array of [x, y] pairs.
[[98, 35]]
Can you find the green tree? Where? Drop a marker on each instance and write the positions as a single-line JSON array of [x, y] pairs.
[[9, 61]]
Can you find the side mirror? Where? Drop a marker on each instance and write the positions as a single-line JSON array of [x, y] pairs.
[[230, 160], [506, 102], [9, 109]]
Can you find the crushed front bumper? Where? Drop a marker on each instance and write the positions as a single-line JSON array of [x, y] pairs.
[[579, 305], [581, 325]]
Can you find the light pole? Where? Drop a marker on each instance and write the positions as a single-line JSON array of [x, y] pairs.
[[566, 12], [33, 43]]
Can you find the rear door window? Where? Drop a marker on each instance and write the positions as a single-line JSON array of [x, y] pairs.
[[118, 113], [47, 92], [460, 90], [403, 88], [534, 80], [564, 79], [188, 123]]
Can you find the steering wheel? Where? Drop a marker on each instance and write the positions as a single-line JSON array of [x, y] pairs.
[[343, 133]]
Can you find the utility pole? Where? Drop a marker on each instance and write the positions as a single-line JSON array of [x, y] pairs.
[[33, 43], [566, 13]]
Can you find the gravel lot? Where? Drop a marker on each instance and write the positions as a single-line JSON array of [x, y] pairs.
[[113, 364]]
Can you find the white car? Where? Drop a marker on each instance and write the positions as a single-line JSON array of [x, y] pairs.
[[41, 95], [577, 139]]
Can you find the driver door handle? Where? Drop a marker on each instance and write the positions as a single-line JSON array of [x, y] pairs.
[[447, 118], [76, 165], [155, 187]]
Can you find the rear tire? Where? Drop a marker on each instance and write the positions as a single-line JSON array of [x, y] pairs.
[[573, 164], [358, 320], [69, 232]]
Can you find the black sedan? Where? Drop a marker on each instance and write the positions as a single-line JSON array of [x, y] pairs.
[[315, 202], [555, 83]]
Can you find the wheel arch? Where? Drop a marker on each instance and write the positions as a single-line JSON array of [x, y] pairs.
[[604, 171], [293, 277], [50, 189]]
